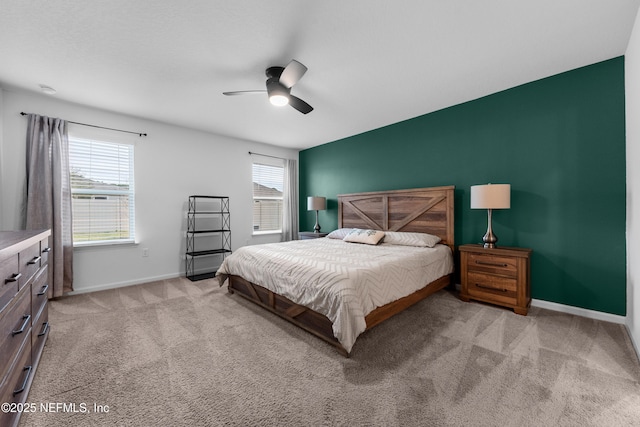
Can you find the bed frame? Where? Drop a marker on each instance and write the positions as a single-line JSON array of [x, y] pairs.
[[425, 210]]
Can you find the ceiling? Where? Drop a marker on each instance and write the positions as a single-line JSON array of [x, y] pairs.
[[371, 62]]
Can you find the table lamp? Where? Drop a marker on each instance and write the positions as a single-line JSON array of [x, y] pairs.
[[316, 203], [489, 197]]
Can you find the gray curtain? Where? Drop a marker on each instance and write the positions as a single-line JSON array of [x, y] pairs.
[[290, 201], [49, 196]]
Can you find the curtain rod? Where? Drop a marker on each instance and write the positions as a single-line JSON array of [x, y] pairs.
[[266, 155], [99, 127]]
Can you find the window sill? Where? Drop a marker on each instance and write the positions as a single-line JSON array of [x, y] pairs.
[[79, 245], [266, 233]]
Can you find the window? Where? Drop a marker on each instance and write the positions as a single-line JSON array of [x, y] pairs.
[[268, 183], [102, 191]]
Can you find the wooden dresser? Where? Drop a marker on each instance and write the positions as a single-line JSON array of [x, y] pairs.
[[498, 276], [24, 326]]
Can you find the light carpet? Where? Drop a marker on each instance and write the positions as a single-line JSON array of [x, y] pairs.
[[181, 353]]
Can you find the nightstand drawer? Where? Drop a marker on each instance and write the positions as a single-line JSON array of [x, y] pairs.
[[493, 288], [493, 264], [492, 282], [494, 297]]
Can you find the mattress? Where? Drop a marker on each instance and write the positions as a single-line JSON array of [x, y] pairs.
[[343, 281]]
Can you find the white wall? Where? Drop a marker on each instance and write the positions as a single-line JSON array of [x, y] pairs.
[[171, 163], [632, 93]]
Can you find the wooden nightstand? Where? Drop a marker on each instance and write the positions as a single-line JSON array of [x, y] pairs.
[[305, 235], [498, 276]]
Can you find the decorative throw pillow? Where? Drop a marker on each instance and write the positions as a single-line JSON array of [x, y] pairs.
[[369, 237], [340, 233], [423, 240]]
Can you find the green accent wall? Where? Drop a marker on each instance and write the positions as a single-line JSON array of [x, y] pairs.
[[559, 142]]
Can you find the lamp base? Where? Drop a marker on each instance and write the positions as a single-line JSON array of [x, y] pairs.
[[316, 229], [489, 238]]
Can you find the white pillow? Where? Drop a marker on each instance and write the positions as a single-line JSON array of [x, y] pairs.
[[422, 240], [340, 233], [369, 237]]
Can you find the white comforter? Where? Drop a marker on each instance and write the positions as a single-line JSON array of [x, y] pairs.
[[344, 281]]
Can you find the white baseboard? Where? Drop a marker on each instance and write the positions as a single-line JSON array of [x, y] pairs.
[[591, 314], [105, 287], [633, 341]]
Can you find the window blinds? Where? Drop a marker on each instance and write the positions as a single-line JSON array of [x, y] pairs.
[[268, 183], [102, 188]]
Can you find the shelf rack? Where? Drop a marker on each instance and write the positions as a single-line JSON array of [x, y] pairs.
[[207, 217]]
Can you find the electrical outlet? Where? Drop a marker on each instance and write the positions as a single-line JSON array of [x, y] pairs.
[[145, 252]]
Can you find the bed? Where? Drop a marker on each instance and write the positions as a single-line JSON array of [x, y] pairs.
[[337, 290]]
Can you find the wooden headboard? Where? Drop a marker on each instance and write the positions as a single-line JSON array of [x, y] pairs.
[[423, 210]]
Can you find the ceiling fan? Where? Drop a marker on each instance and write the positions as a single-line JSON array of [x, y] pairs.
[[280, 80]]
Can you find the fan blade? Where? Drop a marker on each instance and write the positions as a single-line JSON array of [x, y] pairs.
[[244, 92], [300, 105], [292, 73]]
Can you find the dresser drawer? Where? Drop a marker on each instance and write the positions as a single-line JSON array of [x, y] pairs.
[[29, 262], [39, 289], [15, 322], [45, 250], [10, 277], [39, 334], [15, 386]]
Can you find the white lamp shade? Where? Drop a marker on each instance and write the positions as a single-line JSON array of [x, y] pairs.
[[491, 196], [315, 203]]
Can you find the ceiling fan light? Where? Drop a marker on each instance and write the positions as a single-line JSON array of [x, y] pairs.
[[278, 100], [278, 94]]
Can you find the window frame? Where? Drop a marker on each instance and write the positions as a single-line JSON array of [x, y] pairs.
[[75, 138], [274, 163]]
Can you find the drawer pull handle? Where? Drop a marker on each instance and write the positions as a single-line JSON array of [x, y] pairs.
[[479, 285], [45, 250], [13, 278], [26, 318], [34, 260], [43, 290], [493, 264], [24, 383], [45, 329]]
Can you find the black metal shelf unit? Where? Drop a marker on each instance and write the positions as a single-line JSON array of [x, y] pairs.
[[208, 235]]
